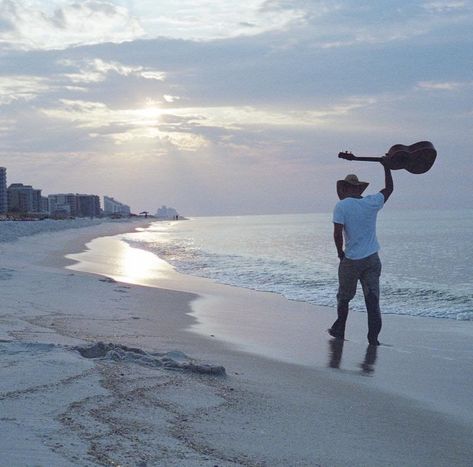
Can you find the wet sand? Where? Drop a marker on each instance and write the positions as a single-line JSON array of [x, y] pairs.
[[429, 360], [291, 396]]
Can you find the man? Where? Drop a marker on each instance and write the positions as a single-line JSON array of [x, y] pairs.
[[354, 219]]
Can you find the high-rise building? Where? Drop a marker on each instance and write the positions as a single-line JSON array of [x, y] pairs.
[[3, 191], [20, 198], [113, 207], [44, 204], [88, 205], [37, 206], [62, 204], [23, 198], [70, 204]]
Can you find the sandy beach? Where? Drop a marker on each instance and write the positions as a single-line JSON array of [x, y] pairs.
[[290, 396]]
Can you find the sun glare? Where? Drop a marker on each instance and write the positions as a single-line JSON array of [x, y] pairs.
[[122, 262], [139, 266], [146, 116]]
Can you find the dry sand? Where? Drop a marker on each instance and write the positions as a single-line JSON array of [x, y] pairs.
[[290, 397]]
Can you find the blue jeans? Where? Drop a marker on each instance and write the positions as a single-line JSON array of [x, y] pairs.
[[367, 271]]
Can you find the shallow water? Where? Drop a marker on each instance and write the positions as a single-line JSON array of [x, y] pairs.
[[427, 257]]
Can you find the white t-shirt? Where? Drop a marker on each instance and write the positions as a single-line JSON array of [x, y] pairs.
[[358, 216]]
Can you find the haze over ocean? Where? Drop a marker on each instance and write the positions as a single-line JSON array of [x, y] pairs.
[[427, 269]]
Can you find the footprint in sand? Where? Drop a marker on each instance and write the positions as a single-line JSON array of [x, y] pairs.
[[109, 280]]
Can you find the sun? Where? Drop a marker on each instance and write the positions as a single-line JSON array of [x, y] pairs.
[[148, 115]]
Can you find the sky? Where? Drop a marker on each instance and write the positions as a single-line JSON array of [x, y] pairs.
[[217, 107]]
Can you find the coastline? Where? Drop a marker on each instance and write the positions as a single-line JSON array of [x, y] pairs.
[[267, 411]]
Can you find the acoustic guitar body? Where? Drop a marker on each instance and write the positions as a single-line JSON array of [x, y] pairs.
[[417, 158]]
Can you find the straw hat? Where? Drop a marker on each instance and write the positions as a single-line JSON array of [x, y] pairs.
[[350, 181]]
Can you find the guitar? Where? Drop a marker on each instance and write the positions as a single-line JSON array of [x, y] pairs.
[[417, 158]]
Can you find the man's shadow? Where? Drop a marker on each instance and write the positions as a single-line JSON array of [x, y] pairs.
[[336, 352]]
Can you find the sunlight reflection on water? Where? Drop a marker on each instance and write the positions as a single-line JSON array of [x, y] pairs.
[[120, 261]]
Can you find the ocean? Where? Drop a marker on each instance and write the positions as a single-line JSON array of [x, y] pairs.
[[427, 257]]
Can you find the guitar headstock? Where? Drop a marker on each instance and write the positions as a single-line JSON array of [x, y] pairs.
[[346, 155]]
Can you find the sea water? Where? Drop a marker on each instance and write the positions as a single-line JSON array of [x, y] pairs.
[[426, 255]]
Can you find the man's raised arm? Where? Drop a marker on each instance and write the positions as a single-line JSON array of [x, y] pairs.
[[388, 183]]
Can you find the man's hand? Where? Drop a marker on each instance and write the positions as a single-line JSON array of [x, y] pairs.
[[384, 161]]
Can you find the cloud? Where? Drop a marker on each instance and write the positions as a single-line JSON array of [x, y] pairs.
[[441, 86], [21, 88], [171, 99], [33, 25], [96, 70], [188, 128], [303, 8], [445, 6], [57, 24], [354, 23], [211, 19], [241, 117], [125, 125], [269, 104]]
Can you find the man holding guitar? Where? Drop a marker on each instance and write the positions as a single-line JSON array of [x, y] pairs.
[[354, 219]]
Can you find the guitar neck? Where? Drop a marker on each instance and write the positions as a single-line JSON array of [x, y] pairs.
[[368, 159]]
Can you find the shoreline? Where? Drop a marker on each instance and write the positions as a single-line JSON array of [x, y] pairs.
[[268, 325], [265, 412]]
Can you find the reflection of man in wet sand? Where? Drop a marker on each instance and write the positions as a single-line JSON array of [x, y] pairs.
[[367, 367], [336, 351], [354, 219]]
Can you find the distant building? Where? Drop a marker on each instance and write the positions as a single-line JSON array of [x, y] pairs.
[[88, 206], [62, 204], [113, 207], [74, 205], [23, 199], [44, 204], [3, 191], [167, 213], [20, 198], [37, 204]]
